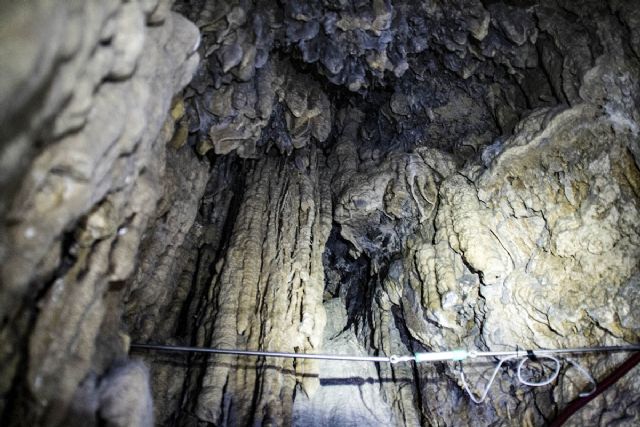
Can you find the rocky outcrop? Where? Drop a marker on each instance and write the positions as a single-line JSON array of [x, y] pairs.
[[528, 249], [339, 176], [507, 238], [87, 87]]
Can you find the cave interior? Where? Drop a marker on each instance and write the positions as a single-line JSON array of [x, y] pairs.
[[347, 177]]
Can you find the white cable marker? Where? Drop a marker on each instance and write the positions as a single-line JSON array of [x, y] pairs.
[[441, 356]]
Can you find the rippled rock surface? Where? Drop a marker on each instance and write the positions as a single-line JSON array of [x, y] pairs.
[[364, 177]]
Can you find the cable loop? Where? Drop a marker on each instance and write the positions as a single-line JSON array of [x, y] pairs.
[[587, 375], [548, 380], [485, 392], [483, 395], [521, 365]]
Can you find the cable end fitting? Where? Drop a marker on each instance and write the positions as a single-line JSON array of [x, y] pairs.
[[438, 356]]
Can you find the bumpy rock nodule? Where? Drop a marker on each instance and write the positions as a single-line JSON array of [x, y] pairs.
[[388, 177]]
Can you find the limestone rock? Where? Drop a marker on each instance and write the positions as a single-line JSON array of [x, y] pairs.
[[266, 292], [125, 397], [519, 231], [91, 129], [348, 394], [339, 176]]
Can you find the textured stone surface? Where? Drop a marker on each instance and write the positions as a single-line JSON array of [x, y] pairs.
[[367, 177], [84, 149], [468, 70], [521, 257], [283, 220], [349, 391]]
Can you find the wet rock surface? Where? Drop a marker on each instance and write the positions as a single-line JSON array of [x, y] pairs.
[[359, 177]]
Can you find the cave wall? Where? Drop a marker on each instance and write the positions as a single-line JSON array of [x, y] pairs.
[[86, 91], [337, 176]]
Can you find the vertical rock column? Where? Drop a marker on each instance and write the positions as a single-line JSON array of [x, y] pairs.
[[267, 295]]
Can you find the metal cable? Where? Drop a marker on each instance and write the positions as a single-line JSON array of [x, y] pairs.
[[172, 348], [458, 355], [577, 350], [485, 392], [526, 355], [418, 357], [455, 355]]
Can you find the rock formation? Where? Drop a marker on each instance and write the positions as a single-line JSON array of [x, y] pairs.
[[358, 177], [84, 134]]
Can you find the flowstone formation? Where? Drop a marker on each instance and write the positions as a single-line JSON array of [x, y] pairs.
[[356, 177]]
